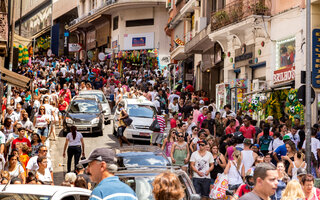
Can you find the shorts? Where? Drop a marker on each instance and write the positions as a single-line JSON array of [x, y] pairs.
[[43, 132], [234, 187], [156, 138], [121, 131], [202, 186]]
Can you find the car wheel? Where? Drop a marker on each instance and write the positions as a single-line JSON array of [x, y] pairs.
[[100, 133]]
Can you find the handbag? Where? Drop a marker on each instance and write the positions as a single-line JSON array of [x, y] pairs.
[[127, 121], [220, 187], [155, 126]]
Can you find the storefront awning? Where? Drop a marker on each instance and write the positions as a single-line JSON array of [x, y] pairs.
[[13, 78], [19, 40]]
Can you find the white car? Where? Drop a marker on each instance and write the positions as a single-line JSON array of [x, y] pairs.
[[43, 192], [141, 112], [103, 100]]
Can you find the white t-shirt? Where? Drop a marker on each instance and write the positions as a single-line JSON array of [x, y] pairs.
[[76, 141], [202, 164], [315, 145], [189, 129], [33, 165], [172, 96], [16, 172], [41, 120], [174, 108], [2, 138], [275, 144], [48, 108], [46, 177]]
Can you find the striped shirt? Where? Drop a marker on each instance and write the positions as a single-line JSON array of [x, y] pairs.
[[162, 123]]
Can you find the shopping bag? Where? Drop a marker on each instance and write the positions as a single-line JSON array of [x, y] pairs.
[[155, 127], [220, 187]]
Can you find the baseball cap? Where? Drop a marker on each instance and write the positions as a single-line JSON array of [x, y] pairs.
[[269, 118], [286, 137], [100, 154], [256, 145], [301, 171], [79, 166], [247, 141], [202, 141]]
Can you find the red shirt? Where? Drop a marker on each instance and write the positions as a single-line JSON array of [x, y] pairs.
[[173, 123], [19, 142], [96, 70], [248, 132], [190, 88], [230, 130], [242, 190]]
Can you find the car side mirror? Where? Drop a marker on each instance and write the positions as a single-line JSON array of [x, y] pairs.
[[195, 197]]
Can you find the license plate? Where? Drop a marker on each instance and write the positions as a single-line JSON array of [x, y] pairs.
[[144, 134], [81, 129]]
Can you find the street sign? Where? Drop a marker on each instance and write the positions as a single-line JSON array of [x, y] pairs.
[[316, 58], [301, 95], [74, 47]]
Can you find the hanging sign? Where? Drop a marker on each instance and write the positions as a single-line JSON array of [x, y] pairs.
[[284, 75], [316, 58], [179, 42], [74, 47]]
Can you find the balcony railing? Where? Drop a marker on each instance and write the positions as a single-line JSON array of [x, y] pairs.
[[238, 10]]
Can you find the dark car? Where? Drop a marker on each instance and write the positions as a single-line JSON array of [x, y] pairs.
[[86, 114], [141, 157]]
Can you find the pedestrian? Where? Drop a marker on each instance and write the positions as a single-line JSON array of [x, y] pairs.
[[248, 156], [299, 162], [101, 167], [293, 191], [14, 168], [168, 143], [75, 144], [157, 137], [80, 170], [265, 183], [121, 125], [201, 163], [41, 122], [310, 192], [283, 178], [219, 162], [43, 173], [167, 186], [180, 152], [235, 171]]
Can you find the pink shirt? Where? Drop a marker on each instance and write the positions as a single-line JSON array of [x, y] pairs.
[[196, 114], [201, 118]]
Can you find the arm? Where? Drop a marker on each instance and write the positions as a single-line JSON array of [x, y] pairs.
[[164, 143], [34, 122], [192, 164], [172, 151], [23, 176], [214, 131], [1, 148], [226, 170], [275, 156], [290, 169], [210, 169], [242, 172], [82, 144], [223, 162], [188, 156], [65, 148]]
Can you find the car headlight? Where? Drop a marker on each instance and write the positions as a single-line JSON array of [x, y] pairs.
[[95, 121], [69, 120]]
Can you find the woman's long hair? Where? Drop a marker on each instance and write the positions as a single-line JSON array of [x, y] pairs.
[[74, 132], [237, 157], [293, 191]]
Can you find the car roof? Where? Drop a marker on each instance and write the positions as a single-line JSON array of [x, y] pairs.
[[150, 171], [84, 97], [90, 91], [137, 148], [138, 102], [45, 190]]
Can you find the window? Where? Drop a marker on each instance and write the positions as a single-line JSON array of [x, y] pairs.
[[115, 22], [140, 22]]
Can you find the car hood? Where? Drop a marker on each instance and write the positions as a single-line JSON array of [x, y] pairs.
[[140, 121], [83, 116]]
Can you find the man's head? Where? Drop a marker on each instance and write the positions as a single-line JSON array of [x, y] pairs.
[[202, 145], [247, 121], [43, 150], [232, 122], [21, 132], [294, 130], [247, 142], [301, 172], [101, 164], [265, 179], [175, 100], [307, 183], [227, 107]]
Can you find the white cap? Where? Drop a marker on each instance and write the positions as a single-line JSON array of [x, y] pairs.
[[201, 101], [269, 118]]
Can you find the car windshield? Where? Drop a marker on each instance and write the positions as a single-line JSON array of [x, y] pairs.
[[135, 159], [100, 96], [10, 196], [142, 185], [84, 106], [144, 111]]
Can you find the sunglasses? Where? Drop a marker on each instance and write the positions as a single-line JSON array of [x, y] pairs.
[[180, 136], [202, 145], [196, 129], [44, 150], [41, 108]]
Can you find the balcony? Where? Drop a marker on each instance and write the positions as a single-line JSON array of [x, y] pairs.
[[3, 27], [239, 10]]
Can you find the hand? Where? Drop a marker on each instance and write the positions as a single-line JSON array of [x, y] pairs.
[[186, 160], [83, 154], [173, 160], [207, 173], [285, 157], [200, 173], [64, 155]]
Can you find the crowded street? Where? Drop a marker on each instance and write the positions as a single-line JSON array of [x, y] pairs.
[[159, 100]]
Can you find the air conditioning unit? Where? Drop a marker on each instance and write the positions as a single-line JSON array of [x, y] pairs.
[[258, 84]]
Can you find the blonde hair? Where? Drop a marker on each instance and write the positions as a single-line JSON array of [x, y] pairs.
[[166, 186], [293, 191], [237, 157]]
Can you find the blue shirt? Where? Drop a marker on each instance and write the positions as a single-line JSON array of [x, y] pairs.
[[281, 151], [112, 188]]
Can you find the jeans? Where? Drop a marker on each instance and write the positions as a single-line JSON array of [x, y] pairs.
[[76, 152]]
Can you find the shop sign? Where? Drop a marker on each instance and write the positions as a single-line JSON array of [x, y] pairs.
[[239, 83], [115, 44], [316, 58], [74, 47], [284, 75], [179, 42], [244, 55], [139, 41]]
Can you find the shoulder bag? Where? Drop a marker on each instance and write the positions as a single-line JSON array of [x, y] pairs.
[[155, 126]]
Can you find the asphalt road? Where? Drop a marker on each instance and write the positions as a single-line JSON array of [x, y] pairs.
[[91, 142]]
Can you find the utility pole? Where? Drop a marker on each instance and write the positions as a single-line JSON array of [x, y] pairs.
[[20, 20], [308, 86], [11, 49]]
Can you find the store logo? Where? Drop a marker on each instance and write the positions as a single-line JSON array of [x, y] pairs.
[[284, 75], [138, 41]]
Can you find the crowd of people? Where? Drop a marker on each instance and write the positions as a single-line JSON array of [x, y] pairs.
[[203, 140]]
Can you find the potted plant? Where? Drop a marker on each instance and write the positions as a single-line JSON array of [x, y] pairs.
[[259, 8]]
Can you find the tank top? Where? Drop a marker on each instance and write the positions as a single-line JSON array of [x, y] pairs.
[[168, 148], [62, 106], [247, 159], [295, 169], [180, 153], [217, 168], [234, 175]]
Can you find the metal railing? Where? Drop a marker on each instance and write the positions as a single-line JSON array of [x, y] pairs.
[[238, 10]]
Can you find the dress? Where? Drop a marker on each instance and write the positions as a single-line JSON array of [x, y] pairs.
[[180, 153], [295, 169], [168, 148]]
